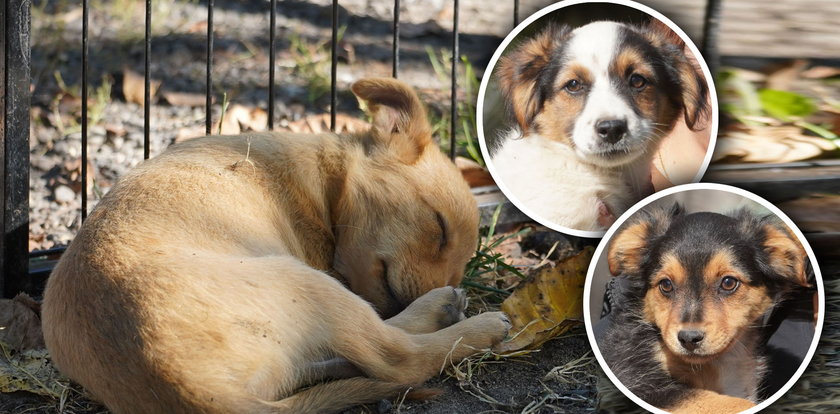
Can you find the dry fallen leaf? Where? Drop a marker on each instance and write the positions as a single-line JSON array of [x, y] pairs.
[[821, 72], [473, 173], [547, 304], [783, 75], [134, 86], [29, 371], [20, 326], [774, 144], [186, 98]]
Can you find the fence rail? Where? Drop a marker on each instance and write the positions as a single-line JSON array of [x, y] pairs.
[[16, 273]]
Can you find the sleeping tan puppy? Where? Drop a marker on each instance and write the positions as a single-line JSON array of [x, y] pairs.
[[229, 272]]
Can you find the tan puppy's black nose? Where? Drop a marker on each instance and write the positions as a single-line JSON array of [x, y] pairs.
[[611, 130], [690, 340]]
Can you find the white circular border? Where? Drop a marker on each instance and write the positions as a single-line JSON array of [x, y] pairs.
[[703, 186], [515, 32]]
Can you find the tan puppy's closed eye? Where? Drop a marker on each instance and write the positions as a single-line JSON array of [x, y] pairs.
[[196, 287]]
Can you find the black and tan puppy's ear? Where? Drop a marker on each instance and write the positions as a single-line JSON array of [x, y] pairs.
[[783, 254], [683, 68], [399, 119], [526, 75], [629, 246]]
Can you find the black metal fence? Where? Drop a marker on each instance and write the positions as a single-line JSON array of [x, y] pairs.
[[16, 273]]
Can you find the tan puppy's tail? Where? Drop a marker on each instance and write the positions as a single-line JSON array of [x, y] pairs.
[[337, 395]]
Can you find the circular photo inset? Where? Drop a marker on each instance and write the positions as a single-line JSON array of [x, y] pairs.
[[704, 298], [590, 107]]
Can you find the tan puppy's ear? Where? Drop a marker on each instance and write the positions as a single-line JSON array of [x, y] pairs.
[[627, 250], [683, 67], [399, 119], [526, 75], [785, 256]]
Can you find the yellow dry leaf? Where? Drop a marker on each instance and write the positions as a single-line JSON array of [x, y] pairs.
[[547, 304], [134, 86], [30, 371]]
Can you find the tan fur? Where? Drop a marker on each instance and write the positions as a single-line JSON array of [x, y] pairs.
[[710, 402], [204, 282], [786, 253], [624, 253]]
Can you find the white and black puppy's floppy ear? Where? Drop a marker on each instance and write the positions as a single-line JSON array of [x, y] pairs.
[[781, 256], [399, 119], [526, 75], [693, 95], [629, 247]]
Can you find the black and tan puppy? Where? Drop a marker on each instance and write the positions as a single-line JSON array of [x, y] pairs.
[[687, 336]]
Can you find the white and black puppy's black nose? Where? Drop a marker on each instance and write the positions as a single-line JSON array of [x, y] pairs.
[[690, 339], [611, 130]]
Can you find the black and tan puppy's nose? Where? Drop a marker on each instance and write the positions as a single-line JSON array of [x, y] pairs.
[[690, 340], [611, 130]]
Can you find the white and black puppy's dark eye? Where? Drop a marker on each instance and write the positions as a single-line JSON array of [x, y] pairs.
[[573, 86], [729, 284], [637, 81], [666, 286]]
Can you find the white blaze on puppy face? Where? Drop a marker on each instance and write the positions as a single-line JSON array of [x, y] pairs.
[[595, 46]]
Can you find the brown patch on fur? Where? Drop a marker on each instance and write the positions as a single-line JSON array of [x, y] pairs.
[[625, 251], [787, 256], [520, 70], [694, 89], [557, 118], [651, 101]]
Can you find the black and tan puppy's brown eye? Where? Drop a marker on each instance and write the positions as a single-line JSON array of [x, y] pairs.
[[729, 283], [637, 81], [573, 86], [666, 286]]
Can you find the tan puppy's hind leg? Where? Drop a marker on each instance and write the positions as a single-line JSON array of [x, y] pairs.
[[392, 355], [437, 309]]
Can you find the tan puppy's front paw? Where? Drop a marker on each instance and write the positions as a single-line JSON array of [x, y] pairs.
[[487, 329], [435, 310], [446, 305]]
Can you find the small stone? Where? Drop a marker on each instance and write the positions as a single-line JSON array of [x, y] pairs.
[[384, 406], [64, 194]]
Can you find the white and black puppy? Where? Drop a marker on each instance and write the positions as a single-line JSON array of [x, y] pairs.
[[591, 106]]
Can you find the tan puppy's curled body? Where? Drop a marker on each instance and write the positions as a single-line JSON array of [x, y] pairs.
[[209, 282]]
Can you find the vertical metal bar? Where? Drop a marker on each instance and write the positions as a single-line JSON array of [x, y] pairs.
[[454, 94], [334, 65], [85, 18], [515, 13], [396, 51], [147, 97], [271, 63], [711, 29], [208, 107], [14, 146]]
